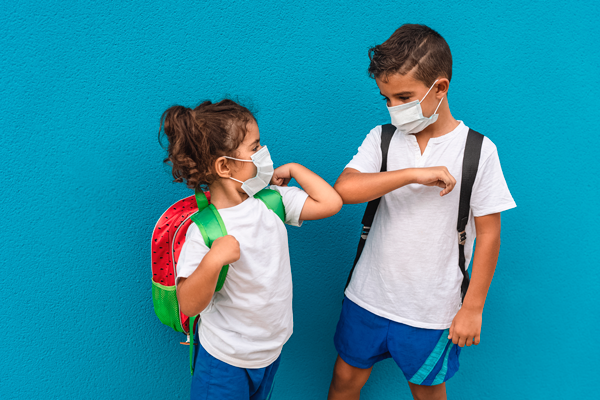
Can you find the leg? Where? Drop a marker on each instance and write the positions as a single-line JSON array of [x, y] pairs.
[[420, 392], [347, 381]]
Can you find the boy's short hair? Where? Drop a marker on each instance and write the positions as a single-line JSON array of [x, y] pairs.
[[412, 46]]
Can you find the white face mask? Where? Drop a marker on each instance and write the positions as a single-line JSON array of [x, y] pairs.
[[408, 118], [264, 172]]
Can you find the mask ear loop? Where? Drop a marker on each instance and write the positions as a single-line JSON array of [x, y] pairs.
[[439, 104], [237, 159], [429, 91]]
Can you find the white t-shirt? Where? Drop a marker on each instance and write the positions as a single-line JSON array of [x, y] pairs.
[[249, 320], [408, 271]]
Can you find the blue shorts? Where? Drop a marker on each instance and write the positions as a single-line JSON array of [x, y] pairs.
[[425, 356], [215, 379]]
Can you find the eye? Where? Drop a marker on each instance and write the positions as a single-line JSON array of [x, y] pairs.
[[257, 147], [404, 98]]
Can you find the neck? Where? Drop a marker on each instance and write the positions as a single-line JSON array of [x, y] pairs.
[[224, 194], [444, 124]]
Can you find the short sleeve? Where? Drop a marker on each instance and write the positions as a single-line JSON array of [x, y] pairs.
[[368, 158], [192, 252], [490, 191], [293, 201]]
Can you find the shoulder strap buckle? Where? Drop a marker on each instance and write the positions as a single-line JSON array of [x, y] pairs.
[[462, 238]]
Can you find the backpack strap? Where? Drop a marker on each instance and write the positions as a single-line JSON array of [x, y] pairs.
[[469, 172], [192, 344], [211, 227], [273, 201], [387, 132]]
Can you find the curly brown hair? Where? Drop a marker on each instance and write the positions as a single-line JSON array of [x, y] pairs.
[[412, 46], [197, 137]]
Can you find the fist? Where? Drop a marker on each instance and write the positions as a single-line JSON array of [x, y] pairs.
[[282, 175], [436, 176], [227, 249]]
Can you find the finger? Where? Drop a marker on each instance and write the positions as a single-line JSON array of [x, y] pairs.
[[451, 330], [461, 341], [477, 340], [448, 184], [451, 181], [469, 341]]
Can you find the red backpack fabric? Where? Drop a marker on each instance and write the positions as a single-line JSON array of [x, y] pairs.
[[167, 239]]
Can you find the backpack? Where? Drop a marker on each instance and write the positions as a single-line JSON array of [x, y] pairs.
[[168, 238], [469, 172]]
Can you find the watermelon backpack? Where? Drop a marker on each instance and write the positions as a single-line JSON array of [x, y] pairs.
[[167, 240]]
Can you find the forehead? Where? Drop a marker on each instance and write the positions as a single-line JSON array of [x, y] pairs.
[[252, 133], [397, 83]]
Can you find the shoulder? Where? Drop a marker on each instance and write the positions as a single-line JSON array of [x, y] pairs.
[[488, 148], [193, 236]]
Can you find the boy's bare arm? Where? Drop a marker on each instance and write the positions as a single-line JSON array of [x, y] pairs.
[[195, 292], [357, 187], [466, 326]]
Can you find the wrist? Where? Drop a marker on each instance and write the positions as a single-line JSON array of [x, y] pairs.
[[214, 260], [411, 175], [472, 307]]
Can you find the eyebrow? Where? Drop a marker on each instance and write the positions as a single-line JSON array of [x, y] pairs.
[[255, 142], [400, 94]]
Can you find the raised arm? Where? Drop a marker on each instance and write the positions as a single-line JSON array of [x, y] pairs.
[[356, 187], [323, 201]]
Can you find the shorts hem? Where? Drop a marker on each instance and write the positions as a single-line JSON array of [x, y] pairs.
[[353, 362]]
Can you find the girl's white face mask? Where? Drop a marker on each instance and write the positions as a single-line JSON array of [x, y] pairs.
[[408, 118], [264, 172]]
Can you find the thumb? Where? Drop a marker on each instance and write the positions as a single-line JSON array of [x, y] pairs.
[[451, 331]]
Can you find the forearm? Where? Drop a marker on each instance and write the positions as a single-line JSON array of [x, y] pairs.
[[356, 187], [323, 200], [195, 292], [484, 265]]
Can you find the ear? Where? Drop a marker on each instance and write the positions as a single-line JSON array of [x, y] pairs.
[[222, 167], [442, 86]]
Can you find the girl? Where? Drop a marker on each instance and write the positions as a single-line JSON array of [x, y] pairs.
[[244, 325]]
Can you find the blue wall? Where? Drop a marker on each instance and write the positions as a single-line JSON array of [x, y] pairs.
[[82, 87]]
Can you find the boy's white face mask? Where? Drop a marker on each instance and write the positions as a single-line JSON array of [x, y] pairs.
[[408, 118], [264, 172]]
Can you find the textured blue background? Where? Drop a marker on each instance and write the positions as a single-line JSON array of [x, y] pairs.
[[83, 85]]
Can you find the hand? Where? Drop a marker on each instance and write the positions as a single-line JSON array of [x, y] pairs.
[[466, 327], [282, 175], [226, 249], [436, 176]]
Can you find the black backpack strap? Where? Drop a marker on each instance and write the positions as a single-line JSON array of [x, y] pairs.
[[387, 131], [469, 172]]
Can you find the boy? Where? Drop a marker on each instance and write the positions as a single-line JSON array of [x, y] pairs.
[[404, 298]]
